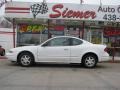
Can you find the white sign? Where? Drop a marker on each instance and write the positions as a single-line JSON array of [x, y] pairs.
[[63, 11]]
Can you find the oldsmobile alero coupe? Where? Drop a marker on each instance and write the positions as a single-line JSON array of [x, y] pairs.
[[60, 49]]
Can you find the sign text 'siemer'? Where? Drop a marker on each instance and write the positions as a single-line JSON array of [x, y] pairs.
[[67, 13]]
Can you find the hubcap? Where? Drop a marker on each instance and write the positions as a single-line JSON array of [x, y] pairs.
[[90, 61], [25, 60]]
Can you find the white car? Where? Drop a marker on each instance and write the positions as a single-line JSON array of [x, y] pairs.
[[61, 49]]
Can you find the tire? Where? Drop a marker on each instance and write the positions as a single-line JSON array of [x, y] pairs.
[[3, 53], [89, 61], [26, 59]]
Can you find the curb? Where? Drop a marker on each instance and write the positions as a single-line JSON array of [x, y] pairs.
[[111, 61]]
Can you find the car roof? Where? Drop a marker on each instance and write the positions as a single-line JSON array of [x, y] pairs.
[[66, 36], [72, 37]]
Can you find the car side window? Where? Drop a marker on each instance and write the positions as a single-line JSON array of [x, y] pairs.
[[58, 42], [75, 41]]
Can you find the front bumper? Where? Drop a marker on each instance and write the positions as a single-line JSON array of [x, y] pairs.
[[11, 56], [105, 58]]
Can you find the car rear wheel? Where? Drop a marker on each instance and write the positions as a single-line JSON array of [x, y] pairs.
[[26, 59], [89, 61]]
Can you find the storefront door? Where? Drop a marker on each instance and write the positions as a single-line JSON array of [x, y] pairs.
[[95, 36]]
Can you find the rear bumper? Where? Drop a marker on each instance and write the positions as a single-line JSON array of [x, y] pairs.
[[105, 58]]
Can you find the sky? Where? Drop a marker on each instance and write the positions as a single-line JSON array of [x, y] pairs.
[[104, 2]]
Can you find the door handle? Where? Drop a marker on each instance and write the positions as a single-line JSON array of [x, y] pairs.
[[65, 49]]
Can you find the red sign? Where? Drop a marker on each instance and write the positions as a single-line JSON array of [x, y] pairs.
[[111, 31], [59, 28], [68, 13]]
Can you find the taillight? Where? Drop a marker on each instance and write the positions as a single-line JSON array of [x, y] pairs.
[[106, 49]]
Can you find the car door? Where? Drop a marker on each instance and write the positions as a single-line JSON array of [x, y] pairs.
[[76, 50], [55, 50]]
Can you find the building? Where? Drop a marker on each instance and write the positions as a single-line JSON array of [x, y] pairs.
[[33, 23], [6, 34]]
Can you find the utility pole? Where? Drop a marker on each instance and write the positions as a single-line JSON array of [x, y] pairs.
[[81, 1], [100, 3]]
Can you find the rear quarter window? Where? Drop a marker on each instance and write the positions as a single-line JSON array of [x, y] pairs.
[[76, 41]]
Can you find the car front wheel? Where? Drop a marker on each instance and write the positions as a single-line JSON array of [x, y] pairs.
[[89, 61], [26, 59]]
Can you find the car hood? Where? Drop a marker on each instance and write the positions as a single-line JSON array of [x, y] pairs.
[[24, 48]]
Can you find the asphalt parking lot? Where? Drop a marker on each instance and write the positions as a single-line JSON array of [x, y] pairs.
[[106, 76]]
